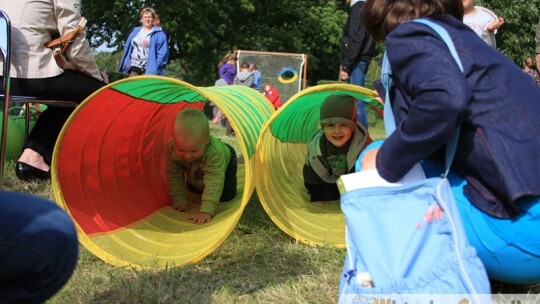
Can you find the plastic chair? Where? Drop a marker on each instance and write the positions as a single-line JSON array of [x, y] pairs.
[[5, 49]]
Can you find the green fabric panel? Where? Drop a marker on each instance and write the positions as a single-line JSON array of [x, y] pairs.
[[158, 90], [247, 108], [299, 119]]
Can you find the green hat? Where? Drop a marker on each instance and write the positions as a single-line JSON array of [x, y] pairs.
[[338, 109]]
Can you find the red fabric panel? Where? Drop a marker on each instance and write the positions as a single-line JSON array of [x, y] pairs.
[[111, 160]]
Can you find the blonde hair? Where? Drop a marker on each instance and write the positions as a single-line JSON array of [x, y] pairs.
[[228, 56], [147, 10], [192, 124]]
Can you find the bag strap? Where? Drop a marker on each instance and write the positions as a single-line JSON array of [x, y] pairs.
[[63, 42], [386, 79]]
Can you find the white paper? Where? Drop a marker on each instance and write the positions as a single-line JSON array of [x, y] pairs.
[[371, 178]]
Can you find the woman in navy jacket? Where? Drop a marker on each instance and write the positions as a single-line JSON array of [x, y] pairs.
[[497, 107]]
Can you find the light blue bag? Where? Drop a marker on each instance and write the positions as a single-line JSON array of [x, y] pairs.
[[409, 240]]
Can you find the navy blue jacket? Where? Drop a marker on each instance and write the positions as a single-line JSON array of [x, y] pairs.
[[356, 44], [494, 102]]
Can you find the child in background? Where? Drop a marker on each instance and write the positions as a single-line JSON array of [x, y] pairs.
[[200, 164], [244, 77], [216, 112], [334, 148], [272, 95], [482, 21], [227, 72], [227, 67], [257, 78]]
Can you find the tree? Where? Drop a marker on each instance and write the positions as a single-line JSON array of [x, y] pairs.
[[516, 38], [203, 31]]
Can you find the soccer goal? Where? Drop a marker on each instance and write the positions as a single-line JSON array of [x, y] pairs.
[[284, 71]]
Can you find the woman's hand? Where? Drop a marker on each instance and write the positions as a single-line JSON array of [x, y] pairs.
[[104, 76], [368, 160]]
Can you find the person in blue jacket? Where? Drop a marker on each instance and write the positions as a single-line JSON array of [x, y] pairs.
[[257, 78], [146, 50], [496, 170]]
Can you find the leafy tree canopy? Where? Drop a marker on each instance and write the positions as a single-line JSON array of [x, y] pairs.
[[516, 38], [203, 31]]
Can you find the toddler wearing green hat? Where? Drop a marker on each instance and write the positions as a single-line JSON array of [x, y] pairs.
[[334, 148]]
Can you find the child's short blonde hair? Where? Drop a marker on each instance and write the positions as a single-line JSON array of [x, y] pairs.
[[191, 123]]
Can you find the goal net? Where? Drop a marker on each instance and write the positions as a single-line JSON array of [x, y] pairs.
[[284, 71]]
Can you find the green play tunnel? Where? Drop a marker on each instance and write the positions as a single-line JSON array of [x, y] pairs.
[[281, 152]]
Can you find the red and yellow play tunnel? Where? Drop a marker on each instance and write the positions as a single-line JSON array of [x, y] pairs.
[[108, 170]]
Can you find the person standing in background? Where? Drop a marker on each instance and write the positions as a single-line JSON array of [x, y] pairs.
[[357, 49], [530, 69], [538, 46], [227, 67], [216, 112], [157, 22], [227, 71], [245, 76], [146, 50], [257, 78], [482, 21]]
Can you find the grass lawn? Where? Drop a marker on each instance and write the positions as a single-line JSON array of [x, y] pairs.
[[258, 263]]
